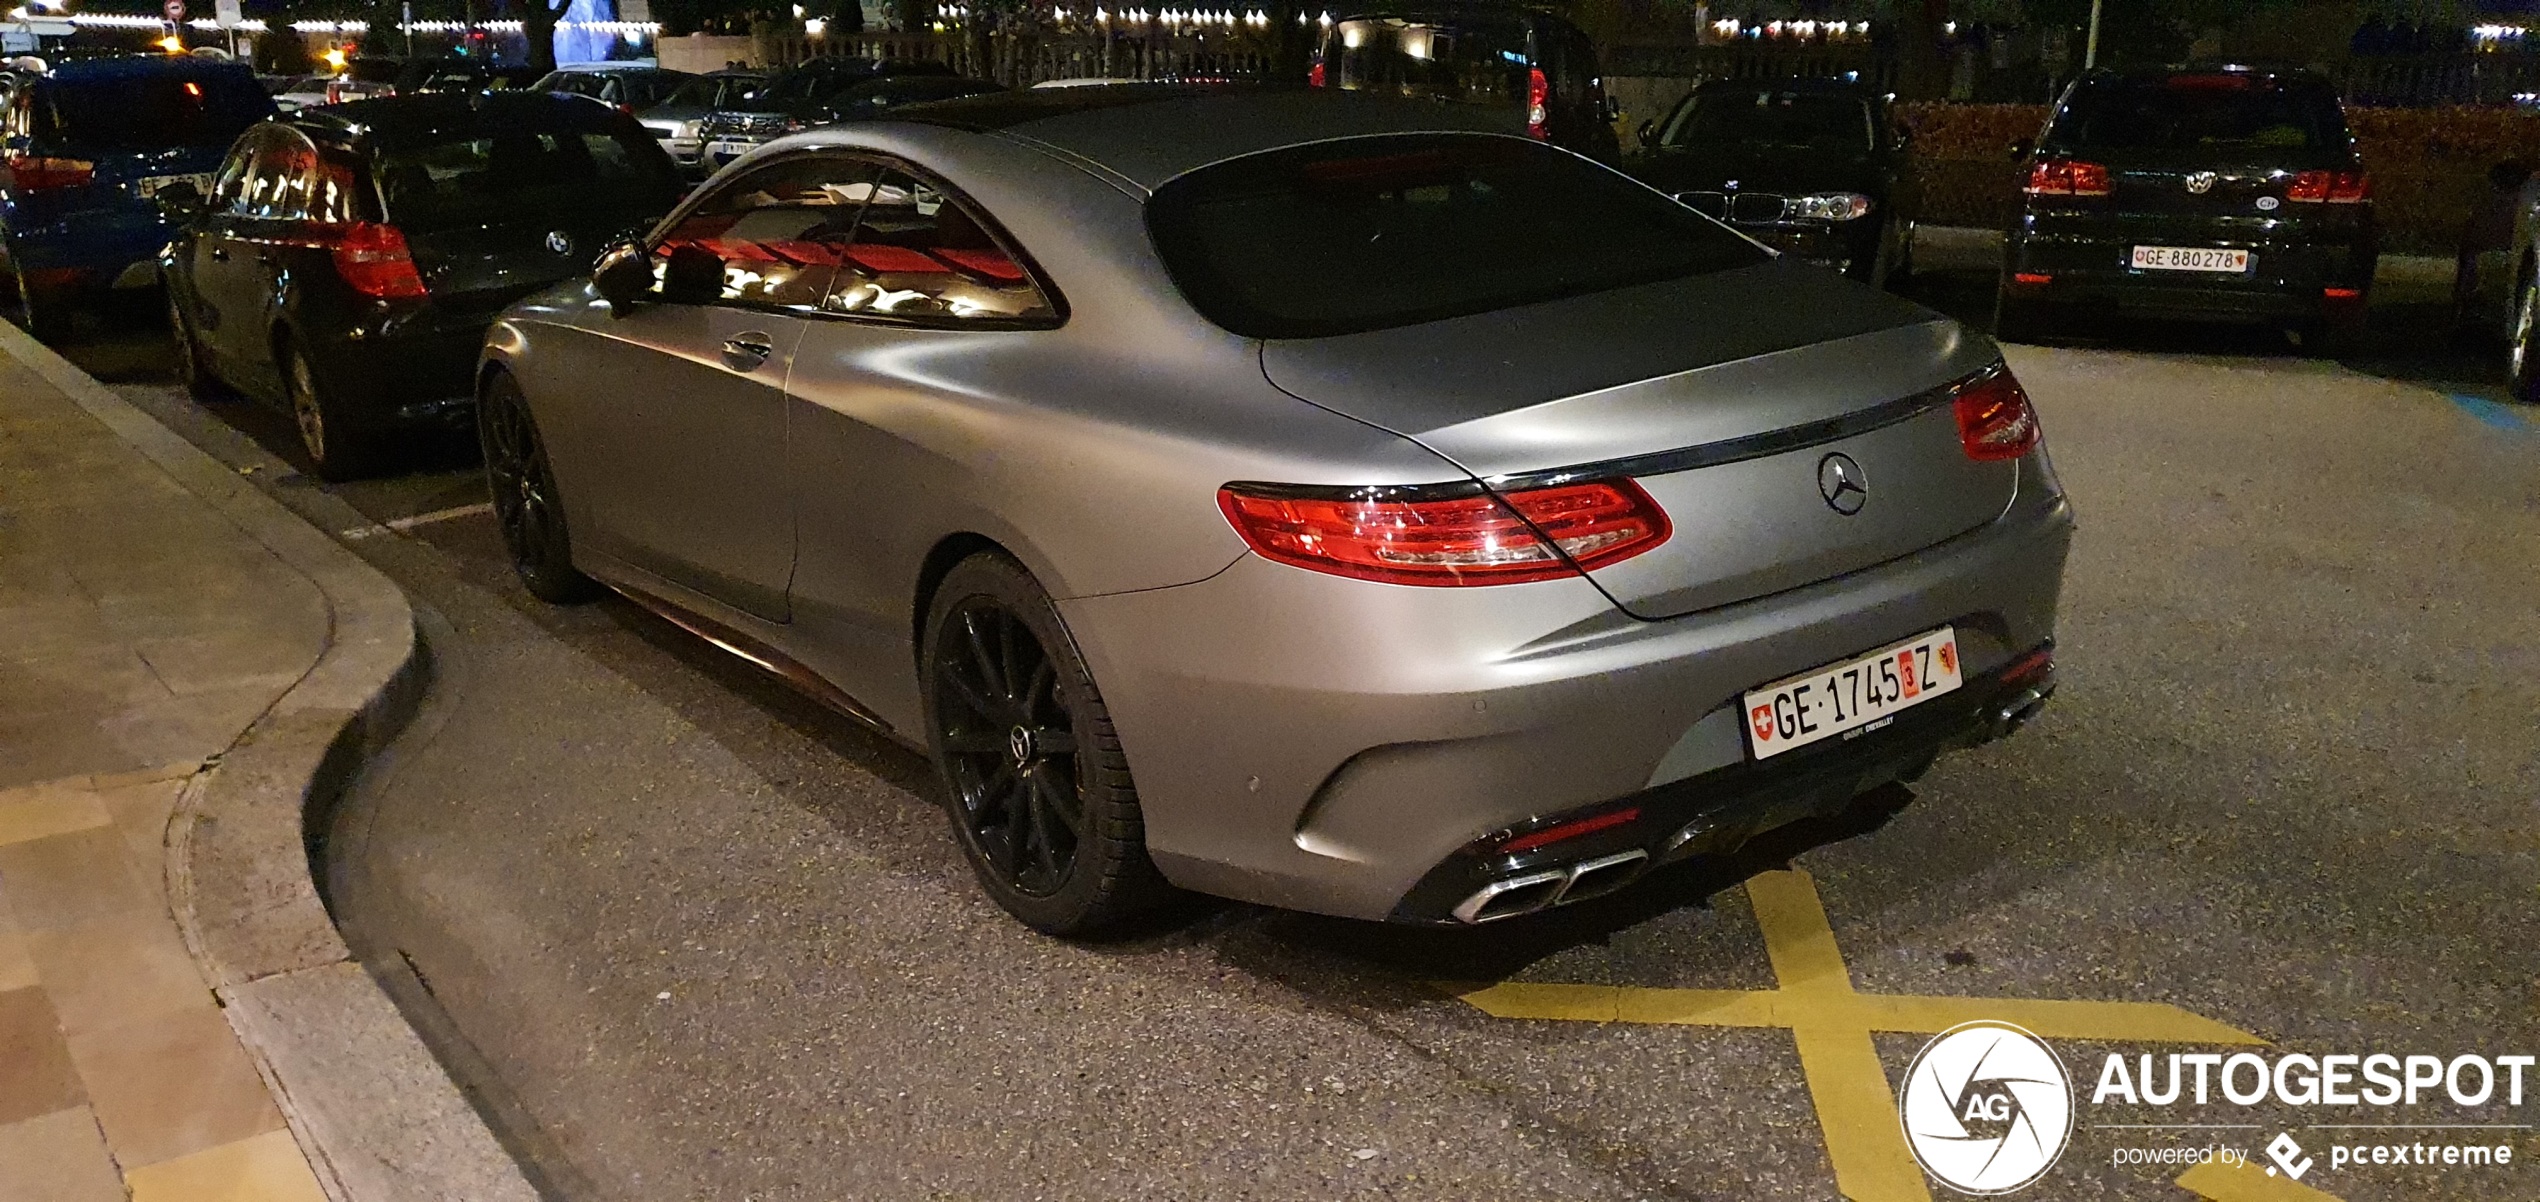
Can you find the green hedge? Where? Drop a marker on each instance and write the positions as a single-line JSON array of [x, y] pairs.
[[2429, 166]]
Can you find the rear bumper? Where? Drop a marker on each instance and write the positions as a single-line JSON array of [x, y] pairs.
[[2288, 280], [409, 369], [91, 249], [1323, 744]]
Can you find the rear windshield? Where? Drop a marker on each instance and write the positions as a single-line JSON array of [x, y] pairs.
[[518, 175], [148, 112], [1368, 233], [2221, 111], [1471, 63], [1776, 116]]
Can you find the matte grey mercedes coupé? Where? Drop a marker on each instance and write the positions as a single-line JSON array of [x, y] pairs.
[[1296, 497]]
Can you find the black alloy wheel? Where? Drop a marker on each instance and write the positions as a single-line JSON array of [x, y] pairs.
[[523, 489], [1041, 800], [2016, 319]]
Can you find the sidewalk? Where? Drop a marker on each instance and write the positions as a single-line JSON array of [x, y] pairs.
[[188, 673], [143, 633]]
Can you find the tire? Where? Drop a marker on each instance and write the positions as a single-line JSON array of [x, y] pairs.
[[44, 312], [526, 505], [2018, 320], [1020, 737], [191, 371], [2522, 342], [1886, 257], [338, 445]]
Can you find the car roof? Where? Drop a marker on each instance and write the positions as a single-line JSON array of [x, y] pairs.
[[1150, 133], [136, 65], [399, 120], [2278, 74]]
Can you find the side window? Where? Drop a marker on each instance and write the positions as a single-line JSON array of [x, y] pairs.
[[284, 179], [919, 253], [771, 237], [231, 183]]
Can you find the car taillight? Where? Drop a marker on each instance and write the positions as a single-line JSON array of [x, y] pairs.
[[374, 260], [2066, 177], [1995, 419], [37, 173], [1538, 94], [1314, 78], [1447, 534], [2330, 187]]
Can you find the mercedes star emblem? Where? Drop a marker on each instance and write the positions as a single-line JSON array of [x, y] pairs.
[[560, 242], [2201, 182], [1840, 482]]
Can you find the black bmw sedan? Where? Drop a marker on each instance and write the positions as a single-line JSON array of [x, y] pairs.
[[2226, 193], [1813, 168], [350, 257]]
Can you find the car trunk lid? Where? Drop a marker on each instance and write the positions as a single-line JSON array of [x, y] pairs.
[[489, 265], [1722, 395]]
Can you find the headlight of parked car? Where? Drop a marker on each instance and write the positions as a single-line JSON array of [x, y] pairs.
[[1828, 206]]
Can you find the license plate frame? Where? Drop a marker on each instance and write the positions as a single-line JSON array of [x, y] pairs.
[[2199, 260], [1782, 716]]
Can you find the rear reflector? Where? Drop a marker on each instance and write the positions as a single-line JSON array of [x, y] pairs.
[[1446, 534], [2031, 279], [374, 260], [1995, 420], [1570, 830]]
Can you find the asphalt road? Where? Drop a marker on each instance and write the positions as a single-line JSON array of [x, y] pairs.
[[690, 936]]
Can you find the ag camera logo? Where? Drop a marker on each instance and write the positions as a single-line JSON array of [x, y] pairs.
[[1987, 1108]]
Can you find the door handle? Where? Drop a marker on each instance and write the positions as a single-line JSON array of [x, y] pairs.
[[745, 352]]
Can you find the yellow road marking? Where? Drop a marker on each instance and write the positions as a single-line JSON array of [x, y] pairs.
[[2246, 1183], [1831, 1024]]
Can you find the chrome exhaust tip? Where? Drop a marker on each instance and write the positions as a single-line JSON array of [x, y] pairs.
[[1552, 887], [2016, 713], [1603, 875], [1512, 897]]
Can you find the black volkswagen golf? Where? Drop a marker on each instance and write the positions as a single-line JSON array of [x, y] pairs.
[[2231, 193], [350, 257]]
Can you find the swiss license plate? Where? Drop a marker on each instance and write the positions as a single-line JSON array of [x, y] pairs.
[[151, 185], [1852, 697], [2191, 258]]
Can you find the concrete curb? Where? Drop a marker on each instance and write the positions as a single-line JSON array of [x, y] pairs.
[[377, 1117]]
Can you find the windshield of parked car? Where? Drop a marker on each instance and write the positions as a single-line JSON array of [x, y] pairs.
[[1368, 233], [148, 112], [802, 83], [1776, 116], [707, 92], [1472, 63], [522, 175], [2218, 111]]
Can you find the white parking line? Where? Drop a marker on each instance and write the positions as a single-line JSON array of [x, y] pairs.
[[409, 522]]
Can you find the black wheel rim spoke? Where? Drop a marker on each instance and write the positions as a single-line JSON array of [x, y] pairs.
[[1010, 747]]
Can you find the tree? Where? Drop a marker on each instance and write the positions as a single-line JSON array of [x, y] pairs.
[[538, 20]]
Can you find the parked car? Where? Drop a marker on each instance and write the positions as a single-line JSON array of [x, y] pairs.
[[1320, 500], [347, 259], [798, 99], [877, 96], [1534, 69], [676, 120], [2229, 193], [86, 149], [1814, 168], [633, 87]]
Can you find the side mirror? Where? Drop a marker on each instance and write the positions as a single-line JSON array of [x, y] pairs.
[[180, 202], [1611, 108], [623, 275], [694, 276], [2020, 148], [1648, 135]]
